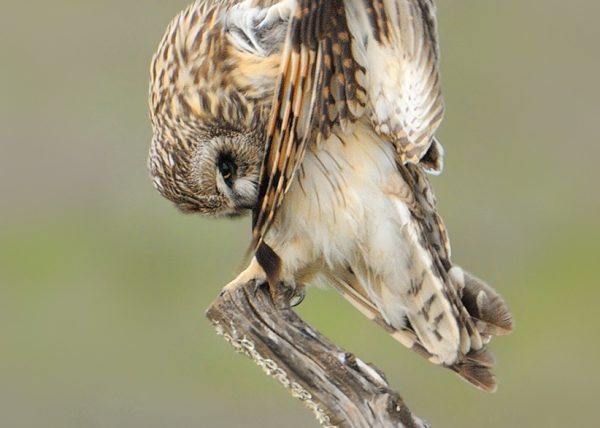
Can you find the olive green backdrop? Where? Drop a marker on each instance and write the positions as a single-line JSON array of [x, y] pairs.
[[103, 284]]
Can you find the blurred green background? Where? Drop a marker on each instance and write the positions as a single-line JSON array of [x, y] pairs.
[[103, 284]]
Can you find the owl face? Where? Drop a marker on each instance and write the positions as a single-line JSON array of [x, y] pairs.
[[209, 101], [211, 173]]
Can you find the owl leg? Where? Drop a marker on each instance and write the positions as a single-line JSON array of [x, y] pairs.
[[254, 272], [284, 293]]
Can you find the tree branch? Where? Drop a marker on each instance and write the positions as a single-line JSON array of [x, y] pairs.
[[340, 389]]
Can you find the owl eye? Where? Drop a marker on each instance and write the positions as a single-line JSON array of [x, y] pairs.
[[227, 169]]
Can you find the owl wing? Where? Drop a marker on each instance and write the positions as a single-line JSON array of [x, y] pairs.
[[320, 86], [399, 42], [343, 59], [446, 298]]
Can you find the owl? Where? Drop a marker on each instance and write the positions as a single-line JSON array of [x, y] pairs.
[[318, 117]]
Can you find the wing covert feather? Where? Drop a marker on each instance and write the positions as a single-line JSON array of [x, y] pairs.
[[318, 88]]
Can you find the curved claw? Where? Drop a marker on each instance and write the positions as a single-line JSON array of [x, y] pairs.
[[256, 286], [298, 297], [286, 294]]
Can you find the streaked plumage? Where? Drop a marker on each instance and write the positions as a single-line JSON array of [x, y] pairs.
[[339, 101]]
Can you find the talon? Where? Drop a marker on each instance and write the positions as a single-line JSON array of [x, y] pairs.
[[277, 295], [298, 296], [256, 286], [282, 294]]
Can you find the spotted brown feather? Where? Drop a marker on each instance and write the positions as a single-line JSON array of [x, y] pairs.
[[318, 89]]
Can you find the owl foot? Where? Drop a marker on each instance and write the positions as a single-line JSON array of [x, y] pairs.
[[252, 273], [287, 294], [299, 295]]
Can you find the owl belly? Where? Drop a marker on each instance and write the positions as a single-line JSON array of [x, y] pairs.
[[348, 211], [343, 210]]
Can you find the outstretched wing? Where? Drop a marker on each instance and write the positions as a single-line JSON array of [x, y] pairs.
[[343, 58]]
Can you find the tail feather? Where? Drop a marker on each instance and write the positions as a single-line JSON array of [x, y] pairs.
[[434, 319], [476, 368], [490, 312], [483, 357], [482, 304]]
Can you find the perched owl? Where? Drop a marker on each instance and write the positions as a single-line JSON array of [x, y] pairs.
[[319, 117]]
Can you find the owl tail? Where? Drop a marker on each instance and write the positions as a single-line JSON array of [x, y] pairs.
[[476, 368], [491, 317], [487, 313], [486, 307]]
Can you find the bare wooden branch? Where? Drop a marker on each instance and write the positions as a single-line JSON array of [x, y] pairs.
[[340, 389]]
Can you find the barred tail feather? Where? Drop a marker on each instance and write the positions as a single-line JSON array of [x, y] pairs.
[[475, 366], [489, 311]]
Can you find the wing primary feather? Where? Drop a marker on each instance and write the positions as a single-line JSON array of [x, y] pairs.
[[312, 97]]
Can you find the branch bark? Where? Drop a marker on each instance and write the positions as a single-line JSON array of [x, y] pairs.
[[341, 390]]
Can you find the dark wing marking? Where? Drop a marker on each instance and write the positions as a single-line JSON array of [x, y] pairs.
[[320, 86]]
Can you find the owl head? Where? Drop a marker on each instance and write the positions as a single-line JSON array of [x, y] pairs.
[[213, 173], [209, 99]]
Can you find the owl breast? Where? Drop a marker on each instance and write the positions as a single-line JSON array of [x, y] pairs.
[[339, 191], [345, 209]]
